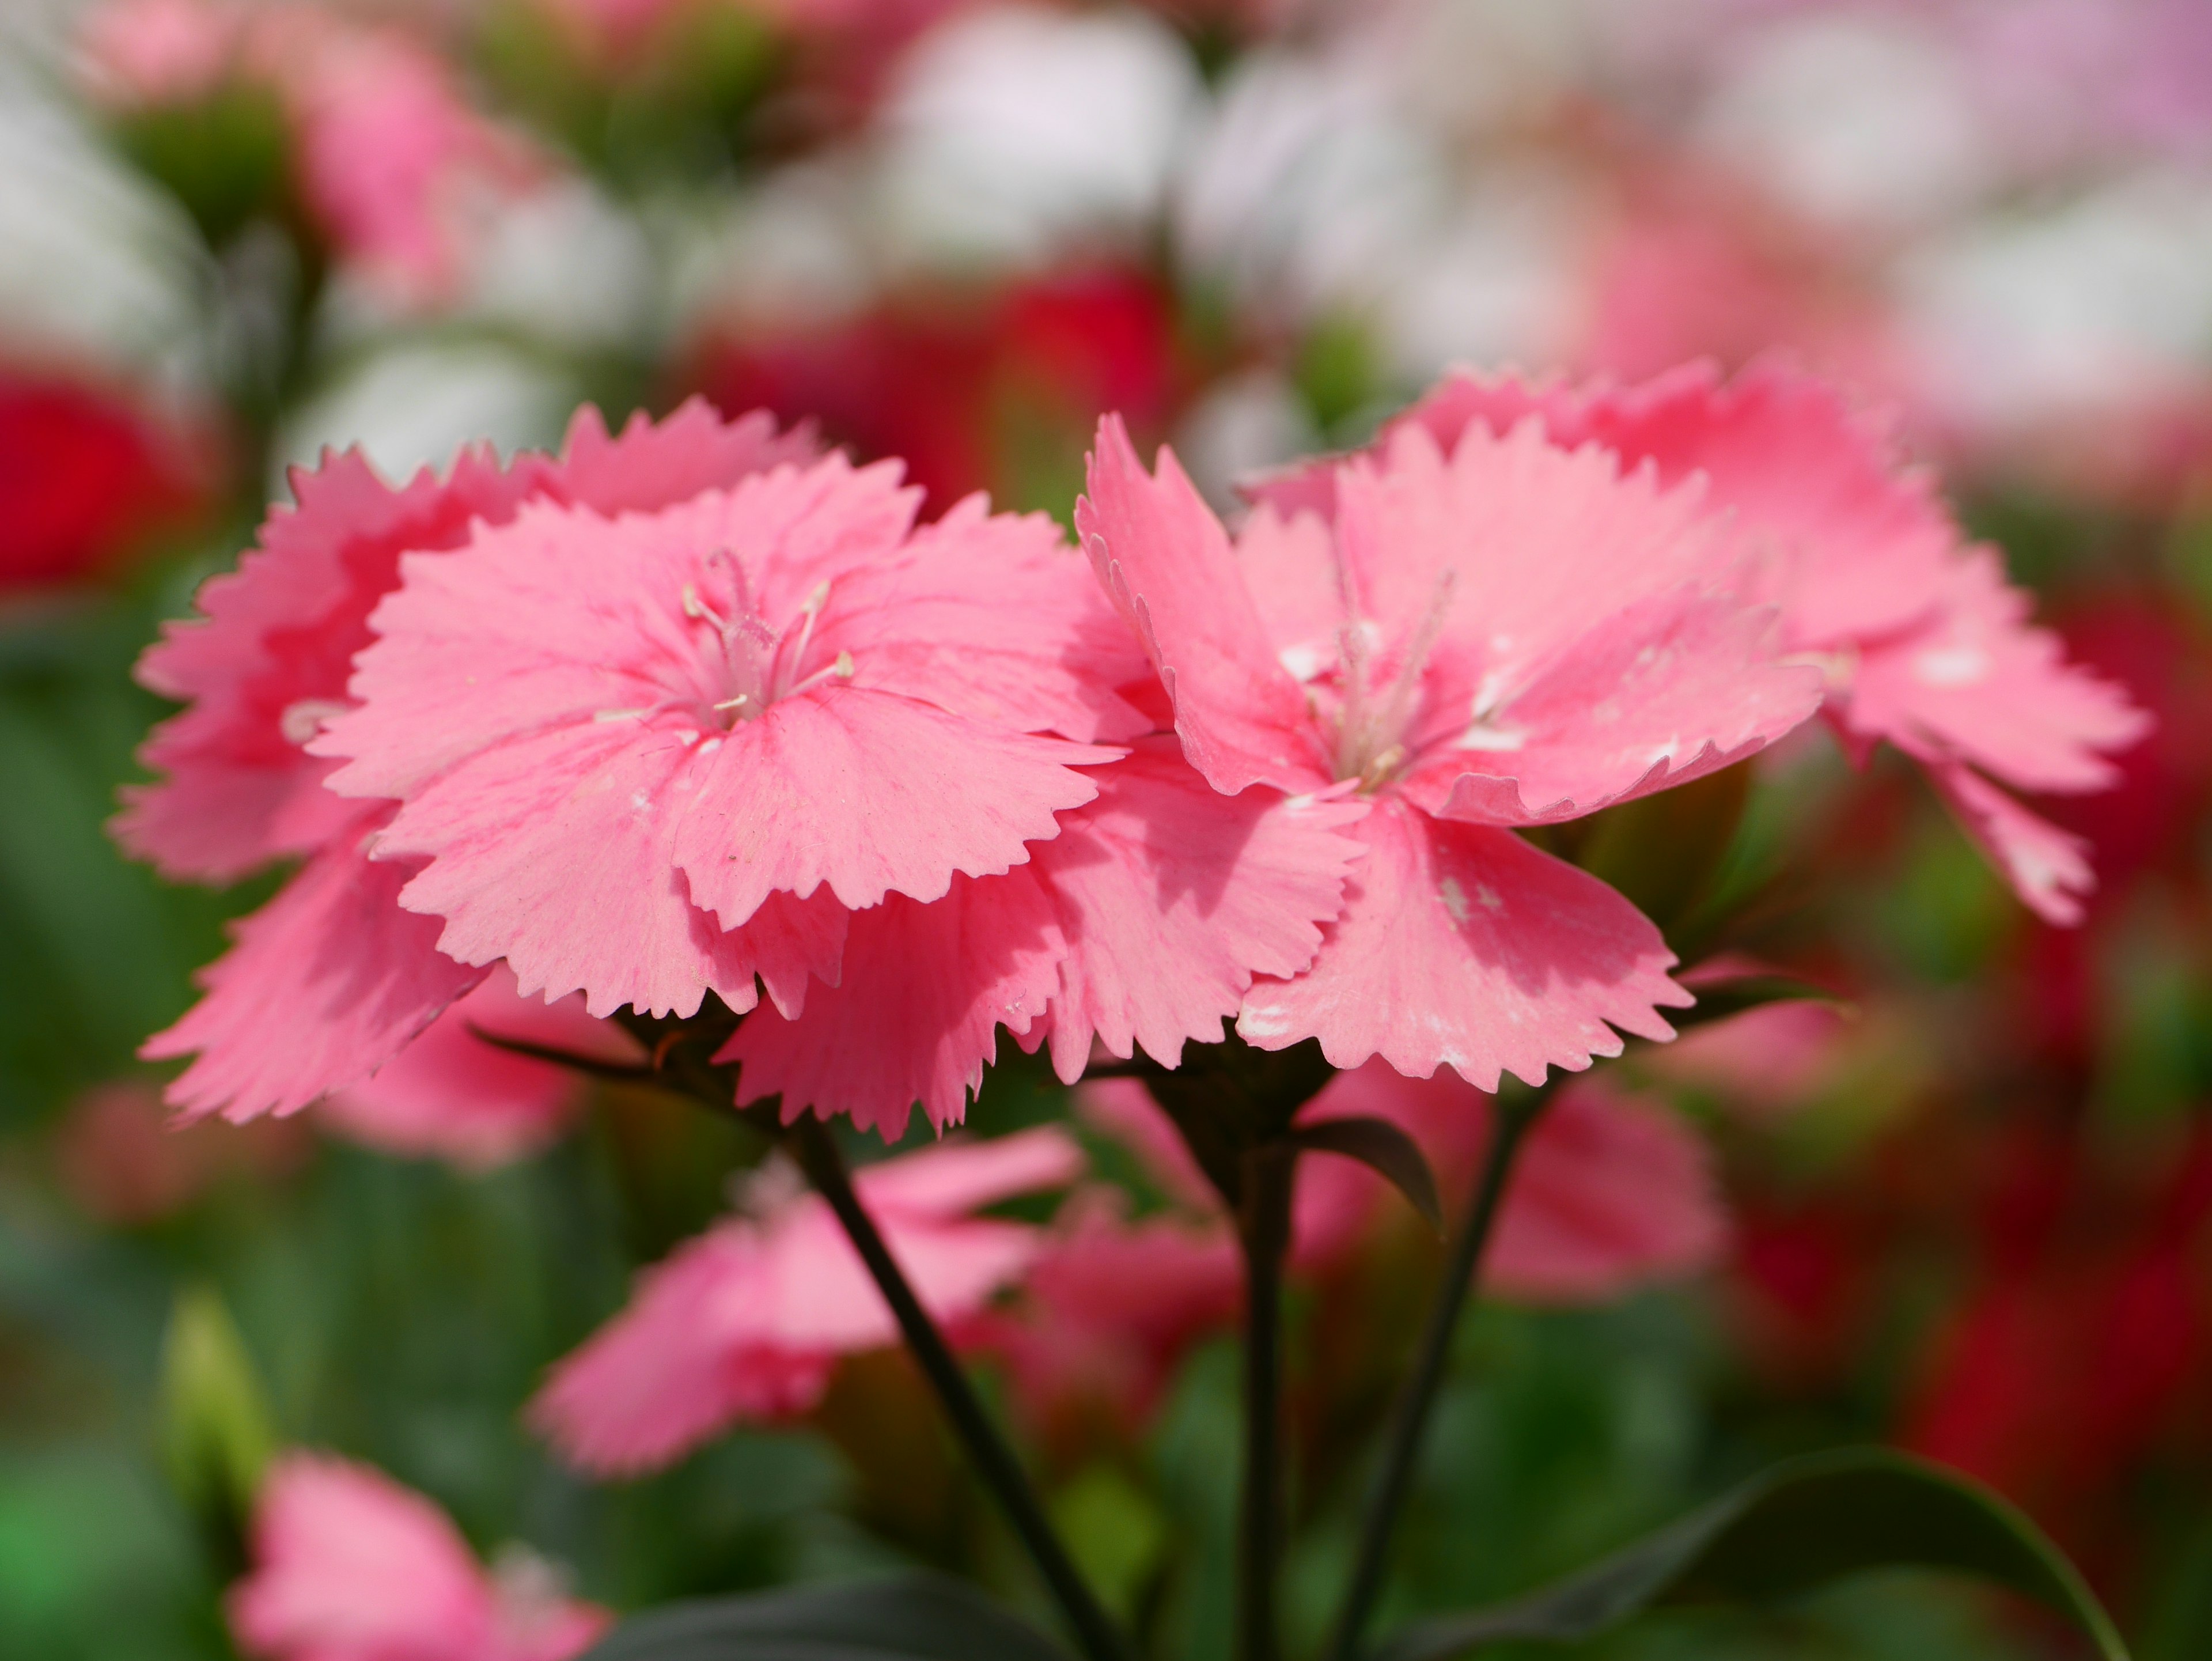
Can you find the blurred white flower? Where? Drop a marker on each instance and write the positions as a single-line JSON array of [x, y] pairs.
[[1011, 131], [2093, 308], [1305, 188], [413, 405], [1244, 425], [92, 260], [1856, 121]]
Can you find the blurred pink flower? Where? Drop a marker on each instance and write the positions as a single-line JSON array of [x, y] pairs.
[[452, 1095], [1107, 1311], [395, 168], [1923, 641], [1613, 1190], [333, 978], [660, 754], [1508, 634], [141, 52], [398, 170], [349, 1566], [748, 1321], [1141, 924], [122, 1159]]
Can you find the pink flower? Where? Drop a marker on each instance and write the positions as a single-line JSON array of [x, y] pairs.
[[347, 1566], [1507, 633], [331, 978], [1107, 1311], [747, 1321], [160, 52], [655, 755], [396, 169], [1141, 924], [1925, 642], [452, 1095], [1612, 1190]]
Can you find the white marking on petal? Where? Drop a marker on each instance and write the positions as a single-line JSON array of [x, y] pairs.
[[1951, 666], [1482, 737], [1454, 899], [1269, 1020]]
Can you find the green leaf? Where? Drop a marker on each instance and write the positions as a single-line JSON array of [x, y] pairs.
[[1718, 1000], [1382, 1148], [217, 1433], [1798, 1526], [914, 1618]]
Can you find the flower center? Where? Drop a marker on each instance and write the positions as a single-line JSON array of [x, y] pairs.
[[743, 665], [1371, 720], [749, 665]]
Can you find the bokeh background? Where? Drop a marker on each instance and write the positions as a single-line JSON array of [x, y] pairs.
[[1971, 1213]]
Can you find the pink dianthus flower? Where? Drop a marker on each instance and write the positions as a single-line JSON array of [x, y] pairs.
[[332, 977], [748, 1321], [349, 1566], [1504, 633], [1923, 641]]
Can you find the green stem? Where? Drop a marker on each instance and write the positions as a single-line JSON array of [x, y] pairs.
[[1100, 1640], [1409, 1420], [1264, 1227]]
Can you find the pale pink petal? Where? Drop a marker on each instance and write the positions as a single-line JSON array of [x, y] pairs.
[[1463, 945], [1592, 640], [1166, 561], [2047, 866], [1613, 1191], [1862, 539], [326, 982], [957, 1176], [1172, 897], [268, 658], [1982, 683], [869, 794], [558, 853], [992, 617], [349, 1566], [651, 464], [1290, 571], [453, 1095], [914, 1016], [1654, 695], [270, 653]]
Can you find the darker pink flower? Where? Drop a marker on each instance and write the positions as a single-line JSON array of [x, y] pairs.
[[349, 1566], [748, 1321], [1106, 1311], [331, 978], [1612, 1190], [1508, 634], [1923, 641]]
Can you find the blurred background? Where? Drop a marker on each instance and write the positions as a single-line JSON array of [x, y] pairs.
[[1970, 1213]]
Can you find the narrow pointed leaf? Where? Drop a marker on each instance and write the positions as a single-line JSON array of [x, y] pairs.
[[912, 1618], [1800, 1525], [1382, 1148], [593, 1065]]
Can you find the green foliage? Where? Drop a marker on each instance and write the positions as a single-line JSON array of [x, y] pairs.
[[913, 1618], [1783, 1534]]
